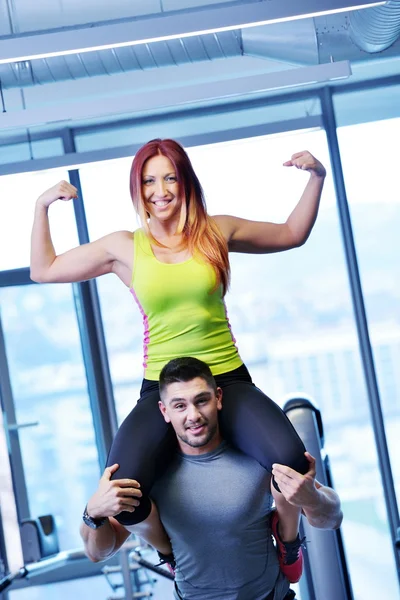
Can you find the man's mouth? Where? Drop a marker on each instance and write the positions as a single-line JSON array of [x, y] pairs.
[[196, 429]]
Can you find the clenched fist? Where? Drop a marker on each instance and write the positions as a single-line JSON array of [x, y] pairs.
[[61, 191], [306, 162]]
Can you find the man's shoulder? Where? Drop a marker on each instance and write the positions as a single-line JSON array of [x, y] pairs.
[[241, 464]]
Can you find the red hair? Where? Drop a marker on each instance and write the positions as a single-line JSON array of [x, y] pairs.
[[200, 233]]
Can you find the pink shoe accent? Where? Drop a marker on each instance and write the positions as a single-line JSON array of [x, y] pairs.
[[294, 571]]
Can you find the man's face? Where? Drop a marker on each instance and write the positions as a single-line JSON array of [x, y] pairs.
[[192, 409]]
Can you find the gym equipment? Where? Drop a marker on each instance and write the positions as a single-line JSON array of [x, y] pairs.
[[326, 575]]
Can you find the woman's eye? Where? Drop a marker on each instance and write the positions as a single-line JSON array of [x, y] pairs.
[[171, 179], [147, 181]]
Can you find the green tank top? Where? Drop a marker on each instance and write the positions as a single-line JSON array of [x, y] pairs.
[[182, 316]]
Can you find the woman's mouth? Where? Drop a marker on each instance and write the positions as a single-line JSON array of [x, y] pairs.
[[161, 203]]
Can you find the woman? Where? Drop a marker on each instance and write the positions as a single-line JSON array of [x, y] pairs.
[[177, 269]]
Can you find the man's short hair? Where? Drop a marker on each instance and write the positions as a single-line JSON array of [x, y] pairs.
[[185, 369]]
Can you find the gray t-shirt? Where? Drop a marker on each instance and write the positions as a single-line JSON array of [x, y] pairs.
[[215, 509]]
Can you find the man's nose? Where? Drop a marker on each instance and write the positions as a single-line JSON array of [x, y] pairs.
[[193, 413]]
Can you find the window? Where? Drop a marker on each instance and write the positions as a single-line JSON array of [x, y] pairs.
[[375, 212], [50, 394], [19, 194]]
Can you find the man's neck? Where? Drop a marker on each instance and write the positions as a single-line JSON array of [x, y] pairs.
[[198, 450]]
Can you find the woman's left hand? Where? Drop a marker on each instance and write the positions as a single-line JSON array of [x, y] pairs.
[[306, 162]]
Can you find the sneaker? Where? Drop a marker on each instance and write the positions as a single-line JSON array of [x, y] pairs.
[[168, 560], [290, 554]]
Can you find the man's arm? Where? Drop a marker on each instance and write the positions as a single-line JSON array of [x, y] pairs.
[[105, 541], [320, 504], [327, 513], [110, 498]]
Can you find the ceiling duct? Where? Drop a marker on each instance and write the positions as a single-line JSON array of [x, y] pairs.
[[304, 42], [375, 29], [293, 42], [115, 61]]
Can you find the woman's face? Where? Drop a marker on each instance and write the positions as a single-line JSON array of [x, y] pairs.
[[160, 188]]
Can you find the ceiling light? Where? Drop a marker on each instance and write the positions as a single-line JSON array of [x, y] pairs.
[[72, 45]]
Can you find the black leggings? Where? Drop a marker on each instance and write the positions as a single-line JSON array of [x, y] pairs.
[[249, 420]]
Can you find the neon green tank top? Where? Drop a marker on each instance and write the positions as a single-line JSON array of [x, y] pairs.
[[181, 314]]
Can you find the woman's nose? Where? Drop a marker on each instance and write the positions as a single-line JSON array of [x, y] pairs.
[[160, 188]]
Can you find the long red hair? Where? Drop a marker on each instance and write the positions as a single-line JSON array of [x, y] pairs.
[[200, 233]]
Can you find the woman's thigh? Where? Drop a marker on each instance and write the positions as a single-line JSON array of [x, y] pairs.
[[143, 447], [257, 426]]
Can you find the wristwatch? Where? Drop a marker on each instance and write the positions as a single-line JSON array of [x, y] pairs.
[[92, 523]]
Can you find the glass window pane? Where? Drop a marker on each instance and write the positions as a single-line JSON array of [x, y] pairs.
[[108, 203], [49, 387], [8, 515], [19, 193], [375, 213], [124, 338], [291, 314]]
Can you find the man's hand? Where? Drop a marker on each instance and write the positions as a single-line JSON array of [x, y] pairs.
[[299, 490], [113, 497], [320, 504]]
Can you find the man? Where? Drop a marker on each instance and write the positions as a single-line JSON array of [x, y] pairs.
[[214, 502]]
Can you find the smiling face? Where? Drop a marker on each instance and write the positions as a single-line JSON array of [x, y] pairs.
[[160, 188], [192, 409]]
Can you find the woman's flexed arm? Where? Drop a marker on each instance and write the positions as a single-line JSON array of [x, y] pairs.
[[81, 263], [302, 218], [243, 235]]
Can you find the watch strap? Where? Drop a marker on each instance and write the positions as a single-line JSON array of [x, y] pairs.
[[91, 522]]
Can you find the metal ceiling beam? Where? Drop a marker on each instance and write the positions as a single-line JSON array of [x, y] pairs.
[[198, 139], [166, 26], [143, 102]]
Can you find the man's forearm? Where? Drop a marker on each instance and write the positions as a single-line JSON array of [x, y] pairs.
[[325, 513], [99, 543]]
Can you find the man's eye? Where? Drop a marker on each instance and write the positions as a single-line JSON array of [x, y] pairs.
[[178, 406]]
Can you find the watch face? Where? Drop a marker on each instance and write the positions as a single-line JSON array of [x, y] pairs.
[[92, 523], [89, 522]]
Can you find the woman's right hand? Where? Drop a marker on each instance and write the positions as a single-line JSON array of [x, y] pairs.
[[61, 191]]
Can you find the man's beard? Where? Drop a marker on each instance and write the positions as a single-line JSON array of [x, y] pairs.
[[198, 443]]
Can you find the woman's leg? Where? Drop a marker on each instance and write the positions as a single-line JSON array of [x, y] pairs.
[[285, 521], [256, 425], [152, 531], [289, 516], [143, 448]]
